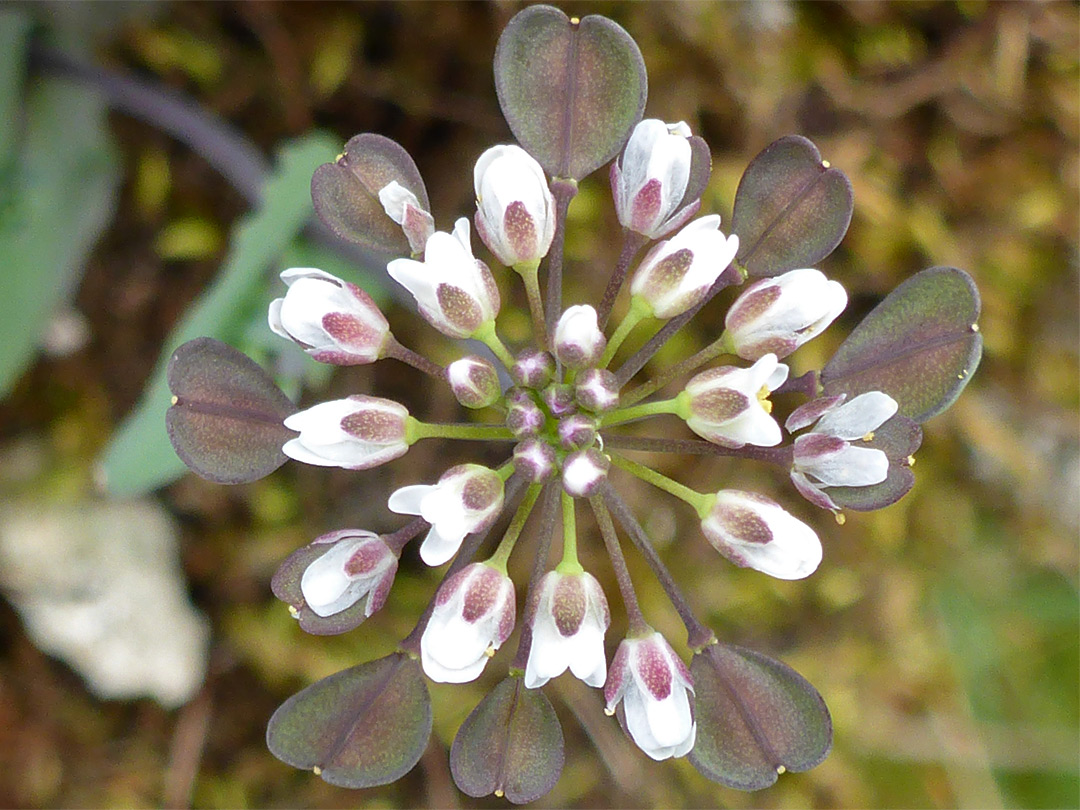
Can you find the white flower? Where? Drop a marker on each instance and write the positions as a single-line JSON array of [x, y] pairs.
[[728, 406], [649, 180], [355, 433], [676, 274], [473, 616], [467, 499], [570, 616], [780, 314], [827, 457], [358, 565], [334, 321], [455, 291], [578, 339], [755, 532], [402, 206], [653, 684], [515, 212]]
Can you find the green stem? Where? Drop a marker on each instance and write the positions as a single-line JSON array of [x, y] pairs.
[[721, 345], [486, 335], [569, 563], [701, 503], [618, 417], [415, 430], [506, 546], [536, 305], [637, 313]]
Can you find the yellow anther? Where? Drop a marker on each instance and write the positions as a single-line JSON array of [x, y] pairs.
[[840, 518], [825, 164], [869, 437], [911, 461], [763, 398], [316, 770], [575, 20], [781, 769], [974, 327], [294, 612], [608, 712], [175, 399], [499, 792], [490, 651]]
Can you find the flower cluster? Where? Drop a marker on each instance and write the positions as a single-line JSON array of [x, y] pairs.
[[560, 406]]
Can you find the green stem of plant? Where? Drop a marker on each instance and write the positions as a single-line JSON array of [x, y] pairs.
[[720, 346], [569, 563], [415, 430], [486, 335], [506, 546], [636, 314], [621, 415], [701, 503], [528, 273]]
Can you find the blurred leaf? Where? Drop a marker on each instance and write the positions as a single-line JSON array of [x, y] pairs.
[[898, 439], [346, 193], [571, 91], [139, 456], [56, 201], [791, 208], [511, 744], [755, 717], [188, 238], [14, 28], [225, 422], [362, 727], [920, 345]]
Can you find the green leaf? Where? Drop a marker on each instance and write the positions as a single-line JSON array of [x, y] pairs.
[[511, 744], [791, 208], [139, 457], [920, 345], [362, 727], [570, 90], [58, 198], [225, 422], [755, 718], [14, 30]]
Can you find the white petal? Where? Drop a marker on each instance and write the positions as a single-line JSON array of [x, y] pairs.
[[274, 319], [437, 549], [297, 451], [407, 500], [669, 719], [588, 661], [851, 467], [854, 419], [455, 643], [326, 588], [440, 673], [394, 197]]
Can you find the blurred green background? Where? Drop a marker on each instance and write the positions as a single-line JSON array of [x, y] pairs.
[[942, 631]]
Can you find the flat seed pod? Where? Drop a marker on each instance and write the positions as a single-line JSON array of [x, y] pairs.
[[755, 718], [346, 193], [920, 345], [571, 90], [364, 726], [791, 208], [511, 744], [225, 422]]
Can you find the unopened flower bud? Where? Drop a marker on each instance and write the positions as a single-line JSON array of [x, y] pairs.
[[524, 417], [569, 618], [355, 433], [729, 406], [334, 321], [676, 274], [534, 460], [577, 430], [402, 206], [515, 212], [596, 390], [559, 397], [467, 499], [579, 343], [533, 369], [780, 314], [584, 472], [475, 381], [649, 180], [755, 532], [455, 291], [357, 565]]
